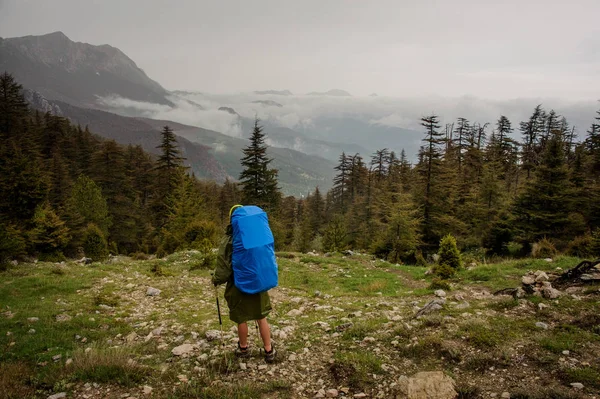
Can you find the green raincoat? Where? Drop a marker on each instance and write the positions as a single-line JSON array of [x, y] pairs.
[[242, 307]]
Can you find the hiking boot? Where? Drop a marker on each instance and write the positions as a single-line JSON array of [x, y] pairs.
[[242, 352], [270, 356]]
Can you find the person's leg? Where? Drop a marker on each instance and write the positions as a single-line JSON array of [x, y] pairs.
[[243, 334], [265, 333]]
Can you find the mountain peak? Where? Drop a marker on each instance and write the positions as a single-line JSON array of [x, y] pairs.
[[57, 34], [77, 73]]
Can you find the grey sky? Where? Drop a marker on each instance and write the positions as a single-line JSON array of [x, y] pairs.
[[497, 49]]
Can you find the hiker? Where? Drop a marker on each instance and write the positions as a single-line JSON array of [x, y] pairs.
[[243, 306]]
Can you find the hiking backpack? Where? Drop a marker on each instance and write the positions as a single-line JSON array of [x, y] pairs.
[[253, 258]]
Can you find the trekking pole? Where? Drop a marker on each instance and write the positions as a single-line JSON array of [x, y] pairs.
[[219, 312], [258, 337]]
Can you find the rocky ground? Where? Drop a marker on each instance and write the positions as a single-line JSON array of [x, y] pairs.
[[343, 326]]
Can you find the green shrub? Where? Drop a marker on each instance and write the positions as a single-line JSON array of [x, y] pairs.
[[543, 249], [94, 243], [420, 259], [169, 243], [209, 257], [514, 248], [439, 284], [444, 271], [12, 243], [580, 247], [139, 256], [198, 231], [449, 253]]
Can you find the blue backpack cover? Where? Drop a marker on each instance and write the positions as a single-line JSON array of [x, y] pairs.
[[253, 258]]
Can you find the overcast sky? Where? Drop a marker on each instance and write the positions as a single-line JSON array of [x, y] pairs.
[[496, 49]]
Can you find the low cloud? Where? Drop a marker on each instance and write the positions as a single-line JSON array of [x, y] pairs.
[[319, 117], [183, 112]]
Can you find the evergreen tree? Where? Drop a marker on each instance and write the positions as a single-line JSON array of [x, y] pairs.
[[531, 130], [379, 161], [87, 205], [543, 210], [49, 236], [258, 180], [13, 107], [429, 169], [340, 190]]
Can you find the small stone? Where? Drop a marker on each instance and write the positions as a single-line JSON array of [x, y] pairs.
[[577, 385], [243, 366], [541, 276], [31, 331], [368, 339], [319, 394], [58, 395], [212, 335], [182, 378], [549, 260], [292, 357], [63, 317], [360, 395], [542, 306], [262, 367], [541, 325], [182, 349], [32, 319], [88, 350], [157, 331], [505, 395], [152, 291], [440, 293], [332, 393], [565, 352], [56, 358], [147, 389], [68, 362], [295, 312], [528, 280], [550, 293]]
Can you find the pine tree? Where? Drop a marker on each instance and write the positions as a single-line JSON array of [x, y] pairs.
[[379, 161], [340, 190], [258, 180], [49, 236], [461, 141], [13, 107], [543, 210], [531, 130], [108, 170], [87, 205], [428, 169]]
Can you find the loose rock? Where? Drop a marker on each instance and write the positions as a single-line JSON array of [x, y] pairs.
[[152, 291], [182, 349], [428, 385]]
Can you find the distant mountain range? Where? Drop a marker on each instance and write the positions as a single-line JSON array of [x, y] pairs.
[[275, 92], [76, 73], [101, 87], [68, 78], [333, 92]]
